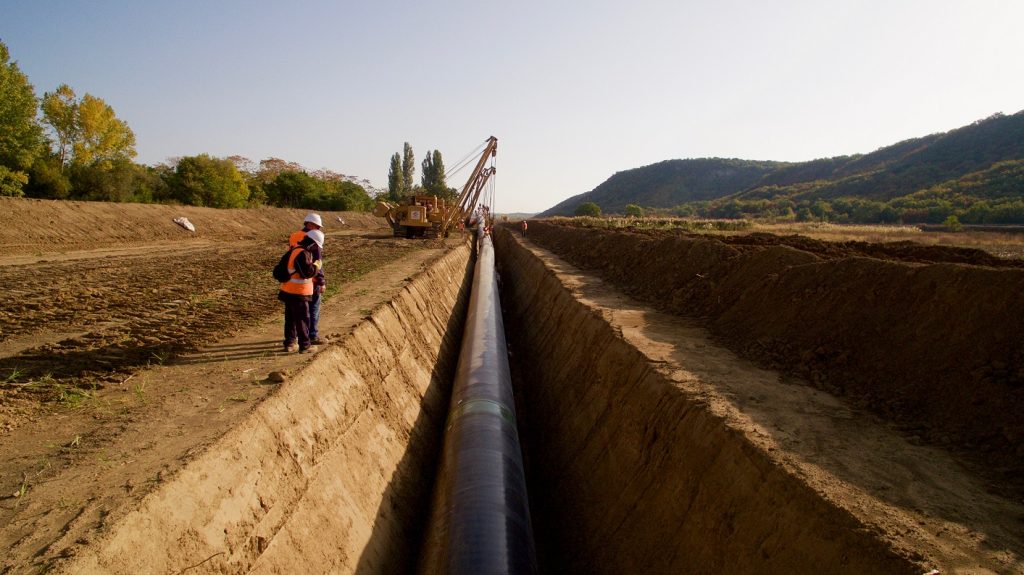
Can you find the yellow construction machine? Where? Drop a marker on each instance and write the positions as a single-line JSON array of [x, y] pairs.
[[430, 216]]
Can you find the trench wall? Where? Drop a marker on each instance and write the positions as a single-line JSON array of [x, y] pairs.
[[331, 474], [907, 332], [632, 472]]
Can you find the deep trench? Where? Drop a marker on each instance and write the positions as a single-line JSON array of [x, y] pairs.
[[628, 474], [627, 471]]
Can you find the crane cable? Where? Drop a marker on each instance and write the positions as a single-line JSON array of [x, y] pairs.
[[461, 164]]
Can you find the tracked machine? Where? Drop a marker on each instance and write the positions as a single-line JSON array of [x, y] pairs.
[[432, 217]]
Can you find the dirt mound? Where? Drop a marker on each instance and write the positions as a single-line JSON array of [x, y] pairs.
[[914, 333], [34, 226], [904, 251]]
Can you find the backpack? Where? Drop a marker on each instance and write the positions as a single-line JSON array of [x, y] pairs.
[[303, 265]]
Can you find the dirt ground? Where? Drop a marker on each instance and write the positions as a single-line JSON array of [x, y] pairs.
[[128, 343]]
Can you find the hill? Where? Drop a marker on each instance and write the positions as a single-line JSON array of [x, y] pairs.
[[975, 173], [670, 183]]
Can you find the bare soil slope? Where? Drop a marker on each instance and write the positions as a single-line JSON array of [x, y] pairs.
[[128, 343], [928, 338]]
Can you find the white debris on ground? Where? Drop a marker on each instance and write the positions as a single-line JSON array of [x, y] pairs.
[[341, 220], [183, 222]]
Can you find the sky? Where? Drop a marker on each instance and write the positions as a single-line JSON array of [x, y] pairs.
[[575, 91]]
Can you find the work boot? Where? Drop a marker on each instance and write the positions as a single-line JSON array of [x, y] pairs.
[[318, 341], [310, 349], [290, 347]]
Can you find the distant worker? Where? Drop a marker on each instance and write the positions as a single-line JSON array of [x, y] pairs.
[[310, 223], [297, 292], [523, 227]]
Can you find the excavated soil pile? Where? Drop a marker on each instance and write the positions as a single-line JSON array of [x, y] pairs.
[[43, 226], [926, 337]]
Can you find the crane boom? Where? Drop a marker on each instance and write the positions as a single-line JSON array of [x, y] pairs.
[[471, 191], [431, 216]]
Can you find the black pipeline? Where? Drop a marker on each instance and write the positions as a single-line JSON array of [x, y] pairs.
[[480, 522]]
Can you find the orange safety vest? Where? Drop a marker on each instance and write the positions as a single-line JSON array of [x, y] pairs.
[[296, 237], [524, 224], [297, 285]]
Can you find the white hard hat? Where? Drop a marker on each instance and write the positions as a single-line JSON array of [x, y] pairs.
[[313, 218], [317, 236]]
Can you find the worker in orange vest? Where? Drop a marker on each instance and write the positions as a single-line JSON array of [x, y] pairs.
[[523, 226], [297, 292], [310, 223]]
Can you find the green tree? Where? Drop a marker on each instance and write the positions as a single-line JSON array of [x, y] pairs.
[[822, 210], [953, 224], [340, 195], [21, 137], [102, 137], [59, 112], [634, 211], [293, 190], [119, 180], [11, 182], [432, 179], [730, 210], [408, 169], [396, 179], [207, 181], [588, 209], [87, 131], [47, 179]]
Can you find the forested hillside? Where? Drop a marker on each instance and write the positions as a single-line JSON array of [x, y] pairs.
[[974, 174], [670, 183]]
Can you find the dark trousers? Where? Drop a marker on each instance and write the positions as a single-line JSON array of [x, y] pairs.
[[296, 322]]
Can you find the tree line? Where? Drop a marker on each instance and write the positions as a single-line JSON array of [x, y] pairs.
[[63, 146], [994, 195], [402, 171], [991, 196]]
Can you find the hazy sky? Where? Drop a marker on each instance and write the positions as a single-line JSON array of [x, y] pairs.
[[574, 91]]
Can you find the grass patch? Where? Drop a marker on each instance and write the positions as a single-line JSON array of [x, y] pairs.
[[14, 376], [72, 397], [331, 290], [22, 491], [139, 389]]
